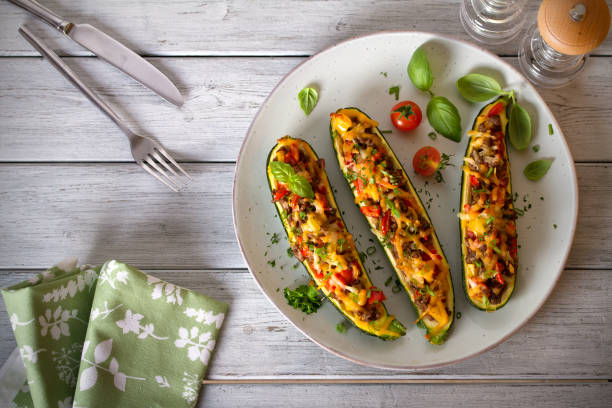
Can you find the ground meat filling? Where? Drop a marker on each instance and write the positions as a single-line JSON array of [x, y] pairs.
[[492, 250]]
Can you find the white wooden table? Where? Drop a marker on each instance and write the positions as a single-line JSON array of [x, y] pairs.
[[68, 187]]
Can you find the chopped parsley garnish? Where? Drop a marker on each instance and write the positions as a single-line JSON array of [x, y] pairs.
[[289, 252], [340, 244], [386, 131], [304, 297], [429, 291], [371, 250], [275, 239], [444, 162], [550, 129], [272, 263], [303, 215], [490, 219], [555, 226], [480, 190], [478, 263], [388, 281], [394, 90], [341, 327], [321, 252], [495, 248], [490, 172], [393, 208], [536, 148], [432, 135]]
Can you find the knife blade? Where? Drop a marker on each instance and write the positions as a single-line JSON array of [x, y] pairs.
[[117, 54], [110, 50]]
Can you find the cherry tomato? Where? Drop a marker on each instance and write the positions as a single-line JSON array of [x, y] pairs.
[[406, 115], [426, 161]]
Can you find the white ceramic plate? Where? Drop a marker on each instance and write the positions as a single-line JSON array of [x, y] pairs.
[[352, 73]]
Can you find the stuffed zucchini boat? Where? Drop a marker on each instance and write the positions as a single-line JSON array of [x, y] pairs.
[[487, 217], [397, 217], [319, 238]]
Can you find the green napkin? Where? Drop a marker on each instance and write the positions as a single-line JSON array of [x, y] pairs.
[[49, 315], [148, 342]]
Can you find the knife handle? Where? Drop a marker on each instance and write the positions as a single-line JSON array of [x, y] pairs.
[[44, 13], [65, 70]]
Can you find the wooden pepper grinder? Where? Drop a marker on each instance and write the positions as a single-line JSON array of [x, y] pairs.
[[553, 53]]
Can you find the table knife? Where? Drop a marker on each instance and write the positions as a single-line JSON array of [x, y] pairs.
[[110, 50]]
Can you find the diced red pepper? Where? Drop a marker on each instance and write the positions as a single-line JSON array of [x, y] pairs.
[[358, 185], [345, 276], [376, 296], [474, 181], [294, 201], [470, 234], [496, 109], [499, 278], [370, 210], [384, 223], [377, 156], [281, 191], [499, 267]]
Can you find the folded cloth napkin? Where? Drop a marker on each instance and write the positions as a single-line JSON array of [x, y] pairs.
[[147, 342], [49, 315]]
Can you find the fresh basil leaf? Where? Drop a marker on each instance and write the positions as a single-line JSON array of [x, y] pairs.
[[444, 117], [519, 127], [537, 169], [308, 98], [301, 186], [419, 71], [282, 171], [478, 87]]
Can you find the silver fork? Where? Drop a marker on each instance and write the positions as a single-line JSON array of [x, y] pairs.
[[149, 154]]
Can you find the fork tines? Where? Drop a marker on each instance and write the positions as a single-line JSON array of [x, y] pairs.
[[157, 160]]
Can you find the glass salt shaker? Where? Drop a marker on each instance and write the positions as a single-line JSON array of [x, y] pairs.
[[493, 22], [553, 52]]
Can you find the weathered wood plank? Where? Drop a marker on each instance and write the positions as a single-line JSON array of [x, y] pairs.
[[569, 338], [225, 27], [45, 119], [288, 396], [95, 211]]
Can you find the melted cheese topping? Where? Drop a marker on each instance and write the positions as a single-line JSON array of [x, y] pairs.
[[391, 206], [487, 216], [319, 238]]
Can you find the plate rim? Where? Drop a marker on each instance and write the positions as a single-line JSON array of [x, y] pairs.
[[404, 367]]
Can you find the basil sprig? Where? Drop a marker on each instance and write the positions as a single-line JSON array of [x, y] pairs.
[[308, 98], [480, 88], [443, 116], [537, 169], [298, 184], [519, 127]]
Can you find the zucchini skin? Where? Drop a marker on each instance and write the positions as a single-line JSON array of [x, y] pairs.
[[395, 326], [464, 186], [441, 335]]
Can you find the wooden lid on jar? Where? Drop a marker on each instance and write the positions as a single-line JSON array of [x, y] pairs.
[[574, 27]]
